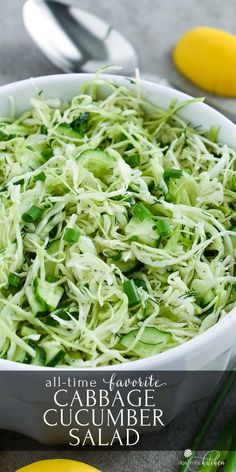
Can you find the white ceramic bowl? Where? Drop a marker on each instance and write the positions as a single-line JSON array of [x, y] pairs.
[[215, 348]]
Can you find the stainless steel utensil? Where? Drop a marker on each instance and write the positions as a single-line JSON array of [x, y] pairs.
[[75, 40]]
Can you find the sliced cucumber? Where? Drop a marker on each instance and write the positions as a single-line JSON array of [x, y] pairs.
[[126, 267], [27, 331], [56, 358], [66, 130], [19, 355], [204, 291], [54, 247], [96, 161], [151, 342], [150, 182], [49, 320], [35, 305], [40, 357], [145, 231], [52, 250], [47, 294]]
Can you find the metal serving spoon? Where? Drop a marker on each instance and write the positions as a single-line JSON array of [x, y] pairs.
[[75, 40]]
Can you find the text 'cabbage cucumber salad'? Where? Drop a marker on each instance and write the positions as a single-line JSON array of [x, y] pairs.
[[117, 229]]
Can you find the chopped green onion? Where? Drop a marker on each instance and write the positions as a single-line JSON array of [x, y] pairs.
[[52, 279], [33, 214], [41, 176], [141, 212], [169, 197], [131, 291], [47, 153], [163, 228], [71, 235], [172, 173], [14, 279]]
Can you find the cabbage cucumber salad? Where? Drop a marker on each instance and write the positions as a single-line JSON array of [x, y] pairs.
[[117, 229]]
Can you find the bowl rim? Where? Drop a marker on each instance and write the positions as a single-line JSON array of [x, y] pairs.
[[173, 355]]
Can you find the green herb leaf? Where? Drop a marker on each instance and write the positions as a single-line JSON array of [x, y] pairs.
[[141, 212], [172, 173], [41, 176], [163, 228]]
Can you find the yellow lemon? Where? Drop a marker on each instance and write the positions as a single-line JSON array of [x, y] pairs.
[[58, 465], [207, 56]]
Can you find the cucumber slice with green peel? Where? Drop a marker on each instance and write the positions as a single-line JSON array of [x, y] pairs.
[[19, 355], [56, 358], [52, 250], [151, 342], [145, 231], [67, 131], [47, 294], [150, 182], [27, 331], [96, 161], [54, 247], [35, 305], [126, 267], [40, 357]]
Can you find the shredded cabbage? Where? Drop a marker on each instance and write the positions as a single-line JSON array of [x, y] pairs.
[[71, 233]]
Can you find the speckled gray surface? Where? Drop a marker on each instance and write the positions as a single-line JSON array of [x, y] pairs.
[[153, 26]]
